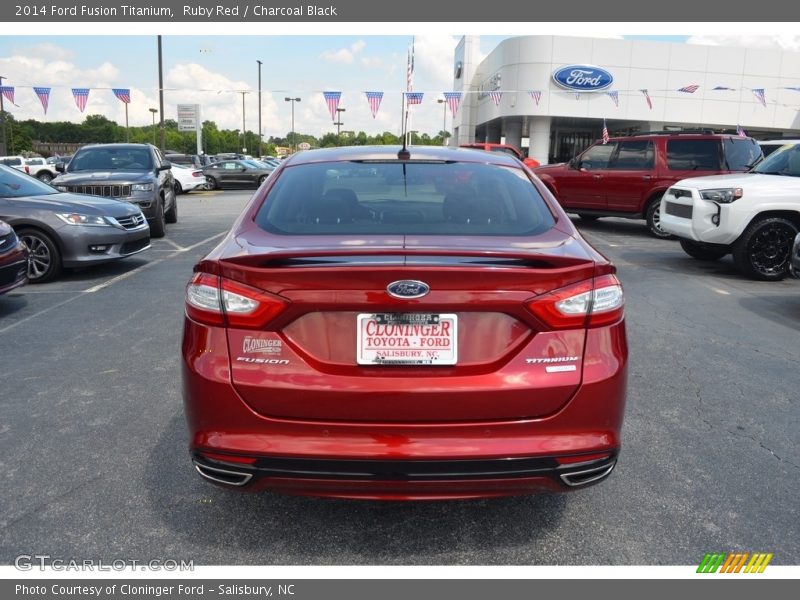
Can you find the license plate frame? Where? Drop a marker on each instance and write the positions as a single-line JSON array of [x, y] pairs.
[[407, 339]]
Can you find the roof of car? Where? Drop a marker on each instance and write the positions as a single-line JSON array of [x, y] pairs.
[[779, 141], [120, 145], [437, 153]]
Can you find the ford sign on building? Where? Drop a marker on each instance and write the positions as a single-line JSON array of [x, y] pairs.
[[548, 95], [583, 78]]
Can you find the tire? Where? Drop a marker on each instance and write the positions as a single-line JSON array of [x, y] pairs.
[[44, 263], [763, 251], [158, 226], [702, 251], [262, 179], [171, 216], [178, 188], [44, 177], [653, 217], [211, 183], [589, 218]]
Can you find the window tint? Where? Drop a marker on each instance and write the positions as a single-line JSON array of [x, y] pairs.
[[597, 157], [633, 155], [14, 184], [693, 155], [389, 198], [741, 153], [12, 161], [785, 161]]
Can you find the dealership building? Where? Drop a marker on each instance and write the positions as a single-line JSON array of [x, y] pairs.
[[552, 94]]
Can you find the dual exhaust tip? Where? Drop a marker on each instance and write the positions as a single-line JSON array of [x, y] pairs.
[[224, 476], [586, 474]]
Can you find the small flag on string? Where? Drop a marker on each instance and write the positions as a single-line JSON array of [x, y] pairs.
[[123, 94], [81, 96], [332, 100], [647, 98], [722, 88], [605, 132], [44, 96], [8, 93], [496, 96], [761, 96], [689, 89], [740, 132], [794, 89], [374, 100], [536, 95], [414, 97], [453, 100], [614, 95]]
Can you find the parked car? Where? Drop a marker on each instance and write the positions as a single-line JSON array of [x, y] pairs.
[[754, 216], [13, 259], [236, 173], [187, 178], [17, 162], [794, 267], [505, 149], [770, 146], [355, 338], [628, 176], [41, 169], [64, 230], [136, 173]]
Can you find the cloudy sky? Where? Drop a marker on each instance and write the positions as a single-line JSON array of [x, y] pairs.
[[211, 70]]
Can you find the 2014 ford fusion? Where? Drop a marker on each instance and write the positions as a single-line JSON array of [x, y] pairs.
[[404, 324]]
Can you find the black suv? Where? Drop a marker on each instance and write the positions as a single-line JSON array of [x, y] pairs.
[[135, 173], [627, 176]]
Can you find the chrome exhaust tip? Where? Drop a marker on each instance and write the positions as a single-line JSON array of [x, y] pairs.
[[224, 476], [587, 475]]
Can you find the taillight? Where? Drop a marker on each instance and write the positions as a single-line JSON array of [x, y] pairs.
[[590, 303], [215, 300]]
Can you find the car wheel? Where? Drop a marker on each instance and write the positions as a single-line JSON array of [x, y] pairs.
[[211, 183], [44, 261], [158, 227], [653, 218], [171, 216], [702, 251], [45, 177], [763, 251], [261, 180], [585, 217], [178, 188]]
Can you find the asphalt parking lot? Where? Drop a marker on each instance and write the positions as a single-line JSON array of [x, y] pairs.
[[93, 459]]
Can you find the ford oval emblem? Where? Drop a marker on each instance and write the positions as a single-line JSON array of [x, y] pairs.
[[583, 78], [408, 289]]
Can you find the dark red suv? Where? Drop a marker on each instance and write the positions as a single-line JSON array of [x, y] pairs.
[[627, 176]]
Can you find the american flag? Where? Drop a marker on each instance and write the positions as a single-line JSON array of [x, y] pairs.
[[536, 95], [761, 96], [614, 95], [374, 99], [722, 88], [81, 97], [44, 96], [794, 89], [123, 94], [605, 132], [410, 68], [332, 100], [8, 93], [453, 100], [414, 97], [647, 97], [689, 89], [740, 131], [496, 96]]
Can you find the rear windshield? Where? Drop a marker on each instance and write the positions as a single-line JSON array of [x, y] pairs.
[[109, 159], [391, 198]]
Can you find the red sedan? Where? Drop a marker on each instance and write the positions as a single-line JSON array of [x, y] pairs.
[[393, 324]]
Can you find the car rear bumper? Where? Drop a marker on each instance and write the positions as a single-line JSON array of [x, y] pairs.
[[402, 460], [14, 269]]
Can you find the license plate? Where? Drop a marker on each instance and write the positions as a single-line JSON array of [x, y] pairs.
[[407, 339]]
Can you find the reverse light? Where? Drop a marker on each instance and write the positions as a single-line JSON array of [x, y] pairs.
[[589, 303], [215, 300], [722, 195]]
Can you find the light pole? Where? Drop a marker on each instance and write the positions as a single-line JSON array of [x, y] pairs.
[[444, 120], [3, 119], [339, 124], [244, 134], [161, 98], [154, 111], [259, 108], [294, 142]]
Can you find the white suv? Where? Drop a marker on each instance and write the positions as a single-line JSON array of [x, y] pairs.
[[754, 216]]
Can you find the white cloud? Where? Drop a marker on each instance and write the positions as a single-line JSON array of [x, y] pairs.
[[784, 42], [344, 55]]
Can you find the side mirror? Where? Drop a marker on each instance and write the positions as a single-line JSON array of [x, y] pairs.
[[60, 167], [165, 166]]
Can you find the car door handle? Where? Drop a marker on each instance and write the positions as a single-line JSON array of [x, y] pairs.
[[647, 177], [597, 176]]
